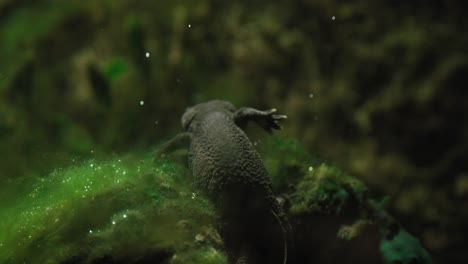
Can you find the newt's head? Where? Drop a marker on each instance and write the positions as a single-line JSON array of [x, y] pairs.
[[199, 110]]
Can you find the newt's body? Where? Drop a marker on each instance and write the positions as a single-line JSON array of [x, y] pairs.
[[227, 167]]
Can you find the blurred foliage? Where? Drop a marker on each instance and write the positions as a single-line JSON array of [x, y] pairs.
[[376, 87]]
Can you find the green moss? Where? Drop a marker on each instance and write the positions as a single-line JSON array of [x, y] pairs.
[[288, 151], [285, 159], [348, 232], [403, 248], [326, 189], [318, 186], [117, 208], [207, 255]]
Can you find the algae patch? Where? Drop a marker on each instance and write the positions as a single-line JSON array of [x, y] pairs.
[[117, 209], [403, 248]]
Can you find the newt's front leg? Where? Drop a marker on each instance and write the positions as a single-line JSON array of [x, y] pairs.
[[180, 141], [268, 120]]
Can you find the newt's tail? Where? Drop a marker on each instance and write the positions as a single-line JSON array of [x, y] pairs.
[[286, 233]]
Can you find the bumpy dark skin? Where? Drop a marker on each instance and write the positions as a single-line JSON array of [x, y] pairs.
[[227, 167]]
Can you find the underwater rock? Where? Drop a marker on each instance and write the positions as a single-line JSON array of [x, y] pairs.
[[112, 210], [130, 209], [324, 197]]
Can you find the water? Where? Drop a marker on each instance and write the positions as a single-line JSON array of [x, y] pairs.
[[375, 98]]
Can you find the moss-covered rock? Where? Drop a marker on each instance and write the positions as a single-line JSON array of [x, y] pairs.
[[132, 209], [118, 209], [323, 191]]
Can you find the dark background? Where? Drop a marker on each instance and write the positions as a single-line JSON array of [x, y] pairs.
[[377, 87]]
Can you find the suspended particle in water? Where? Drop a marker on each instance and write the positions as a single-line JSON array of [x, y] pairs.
[[333, 17], [311, 168], [189, 25], [311, 95], [147, 54], [156, 122], [90, 231], [124, 216], [113, 222], [142, 102]]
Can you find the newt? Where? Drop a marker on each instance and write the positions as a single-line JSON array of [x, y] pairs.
[[227, 167]]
